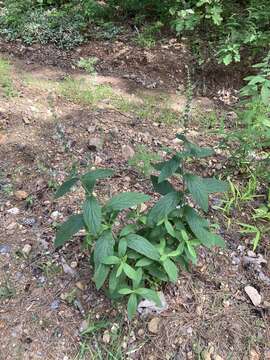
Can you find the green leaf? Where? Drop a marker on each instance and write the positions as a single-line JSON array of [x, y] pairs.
[[157, 272], [130, 228], [132, 306], [162, 188], [89, 179], [150, 295], [126, 200], [65, 187], [137, 281], [111, 260], [119, 270], [68, 229], [193, 149], [169, 169], [199, 227], [113, 280], [125, 291], [265, 94], [169, 228], [143, 262], [192, 252], [227, 59], [213, 185], [163, 207], [171, 269], [92, 215], [104, 247], [100, 275], [197, 189], [129, 271], [122, 247], [142, 246]]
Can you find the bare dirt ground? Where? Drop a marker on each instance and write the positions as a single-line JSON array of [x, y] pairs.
[[46, 296]]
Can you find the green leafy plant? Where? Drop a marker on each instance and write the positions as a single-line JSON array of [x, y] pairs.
[[88, 64], [143, 159], [130, 258]]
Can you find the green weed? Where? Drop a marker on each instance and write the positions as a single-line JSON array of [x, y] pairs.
[[6, 83], [78, 91], [143, 159], [88, 64]]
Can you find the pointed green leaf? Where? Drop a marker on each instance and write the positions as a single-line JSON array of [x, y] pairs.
[[163, 207], [199, 227], [150, 295], [103, 247], [169, 228], [113, 280], [111, 260], [168, 169], [143, 262], [89, 179], [92, 215], [136, 282], [125, 291], [68, 229], [171, 269], [129, 271], [142, 246], [101, 275], [65, 187], [126, 200], [213, 185], [197, 190], [132, 306], [122, 247], [162, 188]]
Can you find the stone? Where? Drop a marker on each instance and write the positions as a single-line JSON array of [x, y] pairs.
[[81, 286], [106, 338], [3, 139], [95, 144], [21, 195], [55, 304], [5, 249], [26, 249], [13, 211], [55, 215], [218, 357], [140, 332], [127, 152], [73, 264], [153, 325], [253, 355], [84, 326], [253, 294], [147, 307], [206, 355]]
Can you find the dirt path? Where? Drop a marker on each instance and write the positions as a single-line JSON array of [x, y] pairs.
[[48, 122]]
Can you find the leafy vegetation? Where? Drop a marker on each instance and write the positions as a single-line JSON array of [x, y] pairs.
[[149, 249]]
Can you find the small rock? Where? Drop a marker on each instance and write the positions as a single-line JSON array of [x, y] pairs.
[[218, 357], [84, 326], [127, 152], [5, 249], [55, 304], [80, 285], [55, 215], [206, 355], [253, 294], [106, 338], [3, 139], [147, 307], [140, 332], [13, 211], [26, 249], [253, 355], [66, 268], [153, 325], [20, 195], [29, 221], [73, 264], [95, 144]]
